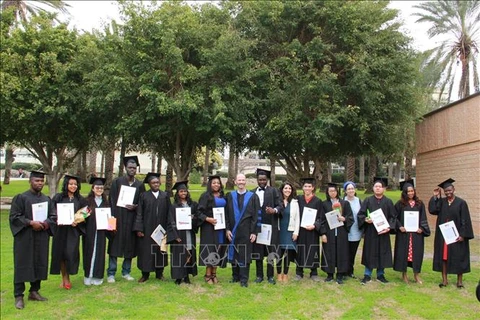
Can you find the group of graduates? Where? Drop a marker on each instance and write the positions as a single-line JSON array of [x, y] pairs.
[[276, 216]]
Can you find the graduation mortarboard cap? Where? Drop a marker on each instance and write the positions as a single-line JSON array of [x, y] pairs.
[[260, 172], [37, 174], [308, 180], [383, 181], [97, 181], [69, 176], [403, 183], [447, 183], [150, 176], [180, 185], [215, 176], [128, 158]]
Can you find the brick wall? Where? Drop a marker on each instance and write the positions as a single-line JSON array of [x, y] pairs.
[[448, 145]]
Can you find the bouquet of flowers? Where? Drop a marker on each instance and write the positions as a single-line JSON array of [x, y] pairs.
[[82, 214]]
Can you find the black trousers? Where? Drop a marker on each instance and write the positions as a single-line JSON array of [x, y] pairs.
[[352, 252], [259, 268], [19, 288], [158, 273], [241, 273]]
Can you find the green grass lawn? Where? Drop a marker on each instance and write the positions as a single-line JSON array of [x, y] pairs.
[[299, 300]]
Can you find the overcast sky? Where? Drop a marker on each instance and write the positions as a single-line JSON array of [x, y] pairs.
[[91, 14]]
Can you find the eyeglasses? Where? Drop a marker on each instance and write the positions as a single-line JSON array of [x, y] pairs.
[[98, 188]]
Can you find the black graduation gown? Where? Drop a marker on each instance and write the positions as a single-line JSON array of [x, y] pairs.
[[30, 248], [335, 253], [94, 241], [151, 212], [402, 239], [66, 241], [377, 249], [308, 242], [271, 198], [212, 253], [247, 225], [459, 252], [122, 244], [182, 261]]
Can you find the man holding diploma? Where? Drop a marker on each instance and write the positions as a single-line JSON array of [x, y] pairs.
[[377, 249], [308, 243], [123, 243], [32, 221], [454, 258]]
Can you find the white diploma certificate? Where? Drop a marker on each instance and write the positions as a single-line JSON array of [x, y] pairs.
[[40, 211], [101, 217], [158, 234], [379, 220], [265, 237], [410, 220], [126, 196], [219, 215], [65, 213], [332, 219], [308, 217], [449, 232], [183, 218]]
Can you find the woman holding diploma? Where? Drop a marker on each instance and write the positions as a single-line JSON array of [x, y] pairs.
[[412, 228], [335, 240], [94, 241], [212, 240], [183, 260], [289, 229], [153, 208], [308, 244], [66, 241], [455, 257]]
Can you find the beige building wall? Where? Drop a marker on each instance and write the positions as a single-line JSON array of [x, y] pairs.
[[448, 145]]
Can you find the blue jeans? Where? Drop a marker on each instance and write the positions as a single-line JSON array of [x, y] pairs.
[[112, 266], [380, 272]]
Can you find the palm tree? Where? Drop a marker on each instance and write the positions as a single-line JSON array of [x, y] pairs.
[[459, 23], [24, 9]]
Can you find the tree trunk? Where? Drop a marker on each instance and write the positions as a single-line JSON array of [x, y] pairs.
[[231, 169], [102, 164], [9, 158], [123, 147], [154, 161], [92, 162], [83, 167], [273, 164], [350, 169], [159, 163], [409, 154], [169, 180], [109, 156], [390, 173], [372, 171], [205, 167], [361, 172], [398, 172]]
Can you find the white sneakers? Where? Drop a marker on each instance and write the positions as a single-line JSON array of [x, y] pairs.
[[94, 281], [128, 277], [111, 279]]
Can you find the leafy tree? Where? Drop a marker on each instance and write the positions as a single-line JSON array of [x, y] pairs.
[[457, 23], [43, 100], [24, 9]]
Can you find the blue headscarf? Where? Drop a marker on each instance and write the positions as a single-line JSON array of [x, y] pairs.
[[345, 185]]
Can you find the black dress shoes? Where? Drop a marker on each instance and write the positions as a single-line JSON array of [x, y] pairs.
[[19, 304], [35, 296]]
